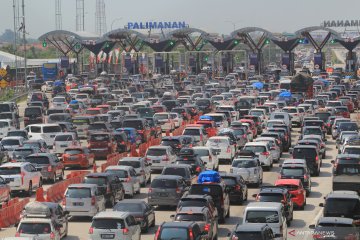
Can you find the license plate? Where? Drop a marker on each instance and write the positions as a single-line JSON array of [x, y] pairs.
[[10, 179], [163, 194], [78, 204], [156, 161], [107, 236], [73, 158]]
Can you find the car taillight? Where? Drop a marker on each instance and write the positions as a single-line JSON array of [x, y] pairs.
[[17, 234], [108, 190], [207, 227], [234, 237], [125, 231], [150, 190], [265, 153], [22, 174], [26, 119], [165, 158], [157, 233], [328, 124], [93, 201], [237, 187], [178, 190], [201, 137], [52, 236], [91, 230], [317, 158], [128, 179], [49, 168], [222, 202], [210, 159], [191, 235], [228, 150], [147, 159], [63, 202]]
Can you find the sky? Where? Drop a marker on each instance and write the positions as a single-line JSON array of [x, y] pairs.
[[212, 16]]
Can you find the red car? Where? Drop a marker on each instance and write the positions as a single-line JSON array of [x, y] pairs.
[[101, 144], [252, 126], [296, 189], [78, 157]]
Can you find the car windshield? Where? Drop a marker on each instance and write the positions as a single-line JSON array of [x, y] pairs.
[[348, 169], [10, 142], [190, 217], [244, 163], [51, 129], [174, 233], [262, 217], [9, 170], [34, 228], [37, 160], [352, 150], [134, 164], [95, 180], [128, 207], [255, 149], [78, 192], [118, 172], [270, 197], [111, 223], [156, 152], [174, 171], [163, 183], [292, 171]]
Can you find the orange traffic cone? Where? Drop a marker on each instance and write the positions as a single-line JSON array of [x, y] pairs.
[[40, 195]]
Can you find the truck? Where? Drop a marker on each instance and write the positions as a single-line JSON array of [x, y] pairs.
[[49, 71], [303, 83]]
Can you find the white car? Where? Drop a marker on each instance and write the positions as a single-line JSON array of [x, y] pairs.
[[114, 225], [160, 156], [222, 145], [5, 127], [261, 113], [41, 229], [128, 177], [234, 114], [165, 120], [11, 143], [296, 115], [274, 148], [63, 141], [209, 156], [84, 97], [47, 132], [59, 102], [262, 150], [178, 121], [21, 176], [249, 168], [141, 166]]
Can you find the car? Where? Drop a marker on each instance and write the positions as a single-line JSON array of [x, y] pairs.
[[11, 143], [296, 169], [176, 142], [109, 185], [128, 177], [249, 168], [43, 228], [274, 147], [269, 213], [33, 115], [39, 145], [341, 204], [259, 231], [121, 138], [236, 186], [141, 126], [48, 164], [143, 213], [47, 132], [166, 190], [5, 191], [179, 230], [208, 156], [202, 216], [280, 195], [141, 166], [18, 133], [187, 156], [63, 141], [5, 127], [160, 156], [21, 177], [19, 154], [335, 125], [101, 144], [262, 150], [83, 200], [346, 172], [295, 115], [319, 140], [78, 157], [222, 145], [312, 156], [295, 188], [59, 117], [339, 227], [183, 170]]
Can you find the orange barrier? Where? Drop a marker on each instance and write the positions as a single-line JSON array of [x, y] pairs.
[[133, 152], [113, 160], [142, 149], [211, 132], [178, 131], [40, 195], [11, 214]]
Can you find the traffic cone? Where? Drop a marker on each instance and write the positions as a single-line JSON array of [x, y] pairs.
[[40, 195]]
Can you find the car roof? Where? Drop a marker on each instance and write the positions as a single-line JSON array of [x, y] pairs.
[[82, 185], [135, 159], [119, 167], [111, 214], [268, 189], [263, 205], [169, 177], [250, 227], [183, 224], [343, 194], [256, 143], [177, 166], [14, 164], [336, 220]]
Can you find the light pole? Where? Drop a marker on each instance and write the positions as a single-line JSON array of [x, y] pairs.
[[112, 23]]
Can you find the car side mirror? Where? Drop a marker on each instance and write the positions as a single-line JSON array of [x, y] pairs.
[[312, 226], [291, 150], [321, 204], [332, 161]]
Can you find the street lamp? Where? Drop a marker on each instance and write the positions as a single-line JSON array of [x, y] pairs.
[[116, 19]]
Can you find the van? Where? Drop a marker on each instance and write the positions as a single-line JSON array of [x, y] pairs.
[[47, 132], [281, 116], [160, 156], [33, 115], [269, 213], [82, 124]]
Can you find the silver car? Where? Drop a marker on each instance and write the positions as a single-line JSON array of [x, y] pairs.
[[114, 225], [274, 147], [128, 177], [83, 200], [249, 168], [141, 166], [160, 156]]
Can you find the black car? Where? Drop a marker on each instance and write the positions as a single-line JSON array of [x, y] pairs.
[[252, 231], [182, 170], [312, 156], [122, 141], [297, 171], [109, 185], [179, 230], [346, 172], [194, 200], [335, 228], [187, 156], [236, 186], [142, 212], [33, 115]]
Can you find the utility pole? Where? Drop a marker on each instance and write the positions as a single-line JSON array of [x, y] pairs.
[[24, 40], [15, 42]]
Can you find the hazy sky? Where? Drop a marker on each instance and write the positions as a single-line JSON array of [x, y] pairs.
[[209, 15]]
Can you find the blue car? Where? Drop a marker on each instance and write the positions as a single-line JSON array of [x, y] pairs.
[[132, 134]]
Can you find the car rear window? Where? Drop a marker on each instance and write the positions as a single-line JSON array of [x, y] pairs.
[[133, 164], [34, 228], [174, 171], [78, 192], [111, 223], [190, 217], [156, 152], [212, 190], [229, 181], [62, 138], [10, 142], [51, 129], [170, 142], [192, 132], [99, 137], [95, 180], [118, 172], [129, 207], [73, 151], [262, 217], [9, 170], [244, 163], [37, 160], [133, 124], [171, 233], [292, 171], [309, 131], [323, 116], [255, 149], [164, 183], [301, 153], [32, 111]]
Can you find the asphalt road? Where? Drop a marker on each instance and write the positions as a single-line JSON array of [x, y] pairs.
[[78, 228]]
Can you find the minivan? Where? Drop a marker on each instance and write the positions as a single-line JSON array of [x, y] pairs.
[[160, 156], [312, 156], [44, 131], [33, 115]]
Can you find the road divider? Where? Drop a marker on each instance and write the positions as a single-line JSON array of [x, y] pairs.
[[10, 213]]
